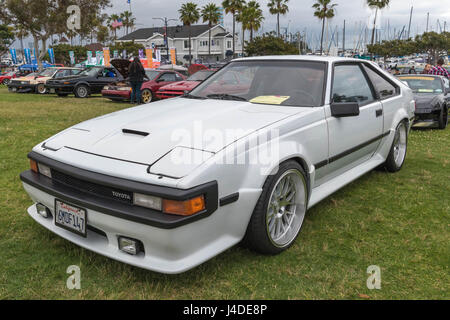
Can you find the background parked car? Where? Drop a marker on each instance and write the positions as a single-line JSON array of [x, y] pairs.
[[89, 81], [6, 77], [179, 88], [121, 91], [20, 83]]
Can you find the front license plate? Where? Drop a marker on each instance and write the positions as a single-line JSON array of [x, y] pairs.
[[70, 217]]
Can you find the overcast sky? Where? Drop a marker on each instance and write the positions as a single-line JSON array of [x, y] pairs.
[[300, 14]]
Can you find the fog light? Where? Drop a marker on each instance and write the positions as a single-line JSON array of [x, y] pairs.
[[42, 210], [130, 246], [43, 169]]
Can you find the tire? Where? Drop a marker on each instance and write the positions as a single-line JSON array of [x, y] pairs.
[[82, 91], [275, 224], [443, 118], [6, 81], [397, 154], [62, 95], [41, 89], [146, 96]]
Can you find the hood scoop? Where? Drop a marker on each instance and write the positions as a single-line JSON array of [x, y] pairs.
[[135, 132]]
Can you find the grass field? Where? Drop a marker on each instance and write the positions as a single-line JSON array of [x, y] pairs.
[[399, 222]]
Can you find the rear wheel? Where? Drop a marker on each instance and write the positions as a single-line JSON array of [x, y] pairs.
[[397, 155], [280, 210], [147, 96], [82, 91], [6, 81], [443, 118], [40, 88]]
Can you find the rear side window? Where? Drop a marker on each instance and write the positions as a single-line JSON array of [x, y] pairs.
[[350, 85], [383, 87], [168, 77]]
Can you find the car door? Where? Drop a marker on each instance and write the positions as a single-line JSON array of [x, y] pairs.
[[352, 139], [165, 79]]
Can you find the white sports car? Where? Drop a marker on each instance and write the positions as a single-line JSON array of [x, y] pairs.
[[168, 186]]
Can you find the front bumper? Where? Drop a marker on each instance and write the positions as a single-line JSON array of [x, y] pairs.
[[171, 243], [116, 94], [21, 88], [168, 94]]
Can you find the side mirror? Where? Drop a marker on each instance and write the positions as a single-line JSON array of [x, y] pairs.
[[344, 109], [447, 91]]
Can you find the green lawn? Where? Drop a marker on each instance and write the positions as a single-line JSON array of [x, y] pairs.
[[399, 222]]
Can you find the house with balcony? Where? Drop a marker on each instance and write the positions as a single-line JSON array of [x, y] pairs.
[[178, 38]]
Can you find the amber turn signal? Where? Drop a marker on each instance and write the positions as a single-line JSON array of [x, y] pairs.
[[184, 208], [34, 166]]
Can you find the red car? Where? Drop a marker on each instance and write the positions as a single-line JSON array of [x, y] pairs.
[[121, 91], [179, 88], [6, 77]]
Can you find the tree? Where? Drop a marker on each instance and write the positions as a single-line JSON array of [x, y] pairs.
[[377, 5], [324, 10], [252, 17], [6, 38], [102, 34], [210, 13], [127, 20], [434, 44], [277, 7], [234, 7], [21, 33], [270, 44], [189, 14], [110, 20]]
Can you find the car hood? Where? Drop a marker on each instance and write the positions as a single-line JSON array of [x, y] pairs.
[[146, 133], [181, 86], [121, 65], [426, 100]]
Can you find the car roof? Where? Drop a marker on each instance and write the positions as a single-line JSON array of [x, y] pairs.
[[303, 58]]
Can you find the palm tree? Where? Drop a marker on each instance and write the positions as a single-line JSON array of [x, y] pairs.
[[189, 14], [377, 5], [278, 7], [210, 14], [127, 20], [234, 7], [252, 17], [324, 10]]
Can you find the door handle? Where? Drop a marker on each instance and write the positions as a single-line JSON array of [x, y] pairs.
[[379, 112]]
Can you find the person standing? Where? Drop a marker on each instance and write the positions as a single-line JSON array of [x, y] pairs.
[[136, 76], [426, 69], [439, 70]]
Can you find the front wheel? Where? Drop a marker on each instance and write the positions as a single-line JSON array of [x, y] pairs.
[[82, 91], [397, 155], [6, 82], [280, 210], [443, 118], [147, 96]]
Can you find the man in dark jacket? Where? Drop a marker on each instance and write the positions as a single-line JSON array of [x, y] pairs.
[[136, 76]]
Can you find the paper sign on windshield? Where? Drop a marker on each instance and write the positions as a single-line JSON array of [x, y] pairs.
[[425, 90], [418, 78], [270, 99]]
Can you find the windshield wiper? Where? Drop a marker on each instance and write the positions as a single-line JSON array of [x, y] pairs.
[[225, 96], [191, 96]]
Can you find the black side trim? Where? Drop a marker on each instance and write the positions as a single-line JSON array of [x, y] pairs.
[[117, 208], [350, 151], [229, 199], [139, 133]]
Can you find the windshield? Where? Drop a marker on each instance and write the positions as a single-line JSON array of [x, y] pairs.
[[200, 75], [151, 74], [90, 72], [423, 84], [47, 72], [286, 83]]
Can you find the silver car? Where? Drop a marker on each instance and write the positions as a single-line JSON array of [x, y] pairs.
[[169, 185]]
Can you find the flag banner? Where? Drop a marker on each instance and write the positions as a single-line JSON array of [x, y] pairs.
[[117, 23], [13, 55], [141, 53], [158, 55], [173, 56], [116, 54], [72, 57], [124, 54], [99, 57], [51, 54], [107, 57], [27, 53], [149, 54], [89, 58]]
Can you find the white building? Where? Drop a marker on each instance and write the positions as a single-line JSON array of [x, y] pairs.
[[178, 38]]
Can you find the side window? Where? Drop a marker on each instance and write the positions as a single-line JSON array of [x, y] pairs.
[[350, 85], [178, 78], [168, 77], [383, 87]]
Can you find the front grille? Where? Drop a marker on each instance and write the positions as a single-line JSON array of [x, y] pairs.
[[93, 188]]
